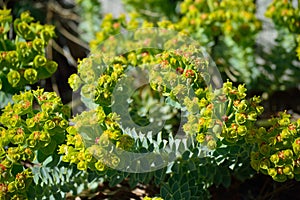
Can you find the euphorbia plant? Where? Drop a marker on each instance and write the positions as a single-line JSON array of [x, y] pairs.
[[130, 131]]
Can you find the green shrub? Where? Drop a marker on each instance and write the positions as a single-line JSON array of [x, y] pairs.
[[183, 132]]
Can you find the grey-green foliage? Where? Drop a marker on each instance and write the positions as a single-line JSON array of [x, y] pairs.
[[54, 179], [193, 172]]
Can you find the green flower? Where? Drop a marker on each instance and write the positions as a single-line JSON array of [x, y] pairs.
[[31, 75], [252, 116], [12, 58], [38, 44], [51, 66], [39, 61], [100, 166], [240, 118], [13, 78], [82, 165], [242, 130]]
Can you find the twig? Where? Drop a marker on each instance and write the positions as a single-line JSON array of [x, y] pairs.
[[64, 53], [64, 13], [229, 74], [71, 37]]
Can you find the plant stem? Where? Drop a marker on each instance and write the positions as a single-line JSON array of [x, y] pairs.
[[3, 45]]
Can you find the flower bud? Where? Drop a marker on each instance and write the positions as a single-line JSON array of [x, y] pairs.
[[240, 118], [114, 161], [242, 106], [284, 122], [132, 58], [31, 75], [29, 154], [262, 132], [51, 66], [71, 130], [272, 172], [255, 164], [39, 61], [3, 190], [252, 116], [20, 185], [63, 124], [13, 78], [49, 124], [18, 138], [44, 136], [82, 165], [200, 137], [242, 130], [100, 166], [264, 148], [264, 164], [38, 44], [288, 154], [296, 146], [12, 58], [241, 91], [288, 170], [47, 33], [212, 144], [11, 187], [7, 163], [22, 49], [259, 109], [31, 142], [23, 27], [274, 158], [88, 91]]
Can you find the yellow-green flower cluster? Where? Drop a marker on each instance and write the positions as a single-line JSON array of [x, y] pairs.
[[278, 149], [90, 141], [22, 60], [35, 121], [223, 114]]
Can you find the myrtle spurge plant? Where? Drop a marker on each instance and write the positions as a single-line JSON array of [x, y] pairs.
[[34, 124], [22, 60], [152, 91]]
